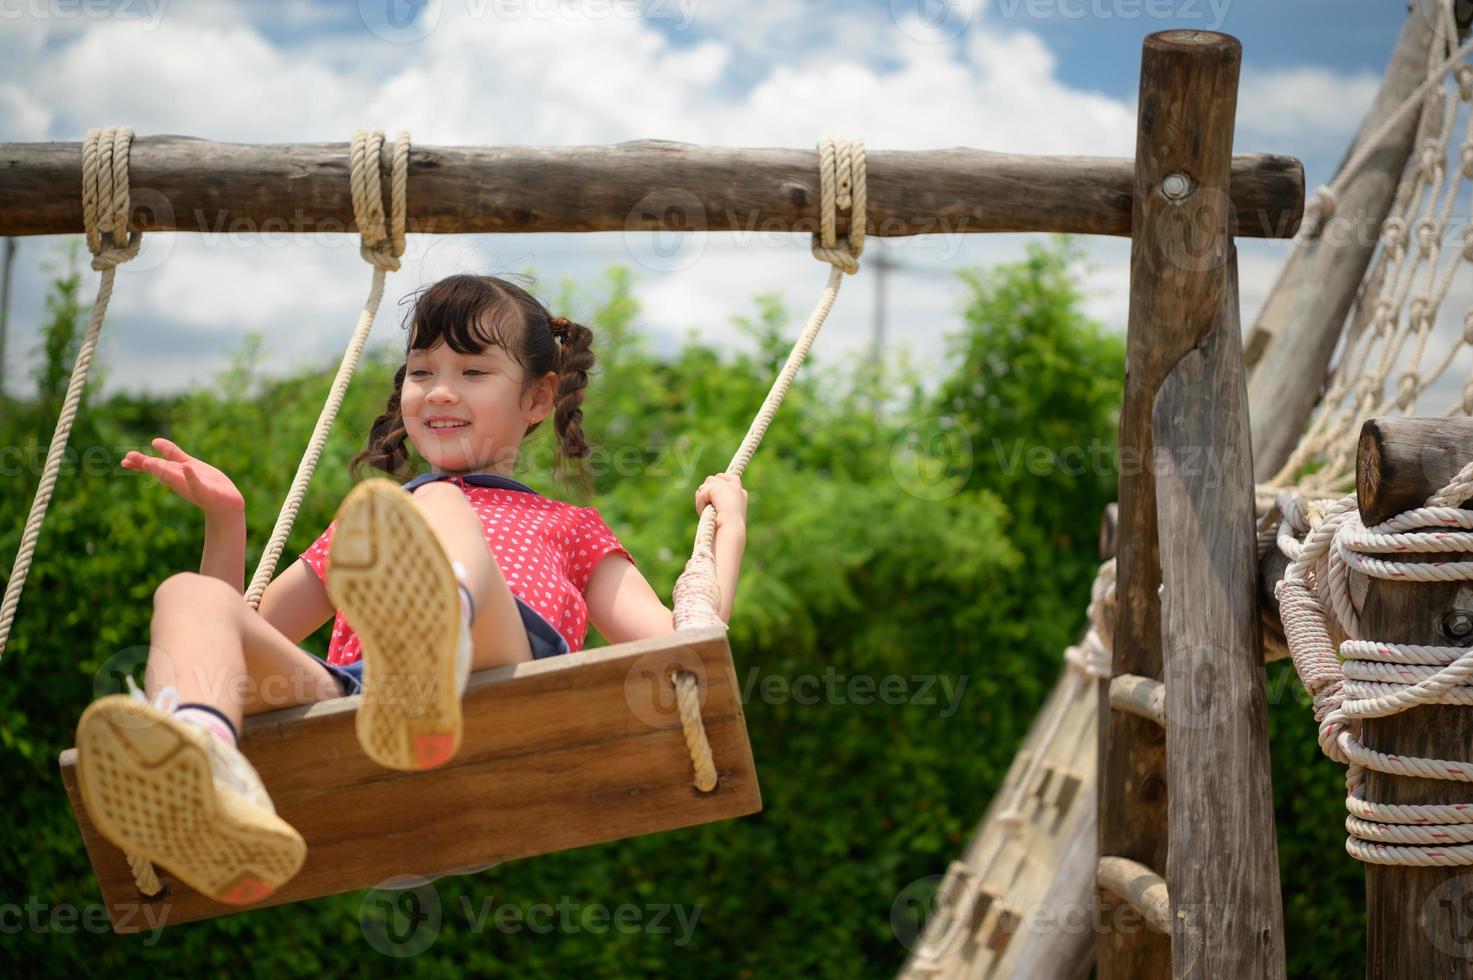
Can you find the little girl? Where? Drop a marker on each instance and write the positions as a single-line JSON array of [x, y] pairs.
[[463, 568]]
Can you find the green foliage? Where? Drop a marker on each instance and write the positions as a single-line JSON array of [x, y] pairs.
[[894, 544]]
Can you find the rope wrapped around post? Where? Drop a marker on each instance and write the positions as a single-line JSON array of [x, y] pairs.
[[105, 211], [1377, 678], [697, 595]]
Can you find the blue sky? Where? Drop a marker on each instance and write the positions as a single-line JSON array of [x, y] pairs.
[[1041, 76]]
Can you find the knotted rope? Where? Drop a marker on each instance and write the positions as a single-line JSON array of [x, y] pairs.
[[1377, 678], [697, 595], [381, 247], [105, 211]]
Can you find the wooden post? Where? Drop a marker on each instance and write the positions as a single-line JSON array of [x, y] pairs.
[[1182, 74], [1222, 870], [1185, 396], [1419, 921], [194, 185]]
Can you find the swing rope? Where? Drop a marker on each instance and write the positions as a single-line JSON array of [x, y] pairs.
[[380, 248], [697, 595], [105, 210]]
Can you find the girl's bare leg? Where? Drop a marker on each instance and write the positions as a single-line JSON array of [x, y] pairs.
[[497, 632], [216, 650]]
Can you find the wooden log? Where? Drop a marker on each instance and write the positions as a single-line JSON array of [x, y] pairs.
[[194, 185], [1400, 462], [1061, 946], [1228, 919], [1302, 319], [1143, 697], [1182, 77], [1418, 920], [1229, 915], [1143, 888]]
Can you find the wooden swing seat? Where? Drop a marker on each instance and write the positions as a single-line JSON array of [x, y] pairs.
[[557, 753]]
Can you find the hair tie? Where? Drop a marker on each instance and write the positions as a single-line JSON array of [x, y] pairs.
[[560, 325]]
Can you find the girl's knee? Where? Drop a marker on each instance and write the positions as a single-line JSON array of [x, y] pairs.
[[191, 587]]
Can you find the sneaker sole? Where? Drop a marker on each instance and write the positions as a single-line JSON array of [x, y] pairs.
[[391, 578], [150, 790]]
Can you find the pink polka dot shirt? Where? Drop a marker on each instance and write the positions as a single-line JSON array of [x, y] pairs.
[[546, 549]]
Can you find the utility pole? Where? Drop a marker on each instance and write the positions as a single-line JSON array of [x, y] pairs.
[[879, 266]]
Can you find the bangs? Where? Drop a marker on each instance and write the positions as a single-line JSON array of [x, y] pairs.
[[468, 314]]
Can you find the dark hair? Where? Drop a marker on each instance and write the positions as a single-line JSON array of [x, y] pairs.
[[453, 310]]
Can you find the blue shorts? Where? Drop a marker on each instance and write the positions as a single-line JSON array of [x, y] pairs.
[[544, 638]]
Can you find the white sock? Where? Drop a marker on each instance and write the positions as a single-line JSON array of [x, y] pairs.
[[209, 721]]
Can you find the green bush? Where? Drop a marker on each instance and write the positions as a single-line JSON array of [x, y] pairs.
[[907, 541]]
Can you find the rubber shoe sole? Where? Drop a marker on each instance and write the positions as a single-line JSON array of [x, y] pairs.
[[393, 581], [148, 786]]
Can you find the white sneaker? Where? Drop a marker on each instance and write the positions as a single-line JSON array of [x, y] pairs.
[[181, 796], [399, 591]]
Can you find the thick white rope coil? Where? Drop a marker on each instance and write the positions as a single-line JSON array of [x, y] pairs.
[[1376, 678]]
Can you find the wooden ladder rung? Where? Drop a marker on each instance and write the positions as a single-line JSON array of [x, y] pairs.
[[1139, 696], [1140, 887]]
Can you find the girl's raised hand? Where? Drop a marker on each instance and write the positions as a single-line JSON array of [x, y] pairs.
[[724, 492], [193, 479]]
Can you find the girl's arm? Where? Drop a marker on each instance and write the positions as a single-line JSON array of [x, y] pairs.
[[225, 544], [295, 602], [727, 546], [623, 605]]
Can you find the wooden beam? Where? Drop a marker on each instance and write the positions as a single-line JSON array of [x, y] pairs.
[[194, 185], [1417, 919], [557, 754], [1302, 319], [1142, 888], [1143, 697]]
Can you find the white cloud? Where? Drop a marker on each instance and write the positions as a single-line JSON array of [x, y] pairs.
[[1304, 102]]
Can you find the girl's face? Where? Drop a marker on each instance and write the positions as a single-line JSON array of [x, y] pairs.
[[481, 392]]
